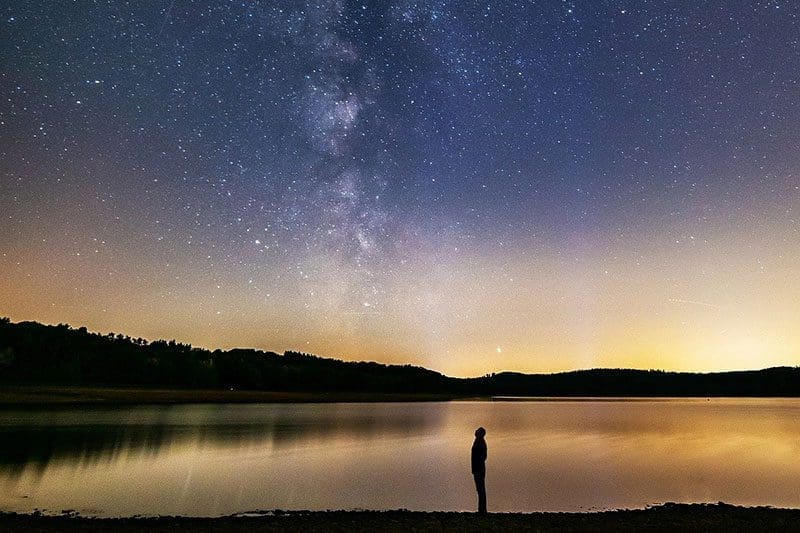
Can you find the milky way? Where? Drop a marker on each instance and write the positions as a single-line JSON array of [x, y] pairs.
[[470, 186]]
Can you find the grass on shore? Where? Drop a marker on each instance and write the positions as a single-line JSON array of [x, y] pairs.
[[669, 517]]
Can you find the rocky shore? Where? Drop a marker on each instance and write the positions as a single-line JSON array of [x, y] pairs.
[[668, 517]]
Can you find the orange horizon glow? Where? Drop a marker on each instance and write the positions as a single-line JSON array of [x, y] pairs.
[[616, 303]]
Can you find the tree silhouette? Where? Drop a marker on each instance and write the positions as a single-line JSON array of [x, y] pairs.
[[33, 353]]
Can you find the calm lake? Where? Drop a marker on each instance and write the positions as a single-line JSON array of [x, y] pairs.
[[543, 456]]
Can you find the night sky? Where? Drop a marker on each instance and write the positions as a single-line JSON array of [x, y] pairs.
[[468, 186]]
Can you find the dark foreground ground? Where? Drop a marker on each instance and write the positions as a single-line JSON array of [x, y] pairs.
[[669, 517]]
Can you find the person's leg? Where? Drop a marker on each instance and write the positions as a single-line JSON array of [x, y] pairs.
[[480, 486]]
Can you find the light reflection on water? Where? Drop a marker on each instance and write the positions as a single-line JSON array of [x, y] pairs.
[[544, 455]]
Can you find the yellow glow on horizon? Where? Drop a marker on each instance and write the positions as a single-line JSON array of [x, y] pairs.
[[732, 302]]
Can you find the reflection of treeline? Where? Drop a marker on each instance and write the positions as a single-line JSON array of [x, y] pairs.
[[36, 353], [37, 444]]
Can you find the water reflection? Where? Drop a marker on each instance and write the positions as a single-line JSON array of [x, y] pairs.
[[221, 459], [33, 438]]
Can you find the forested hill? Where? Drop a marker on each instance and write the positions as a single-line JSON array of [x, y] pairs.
[[33, 353]]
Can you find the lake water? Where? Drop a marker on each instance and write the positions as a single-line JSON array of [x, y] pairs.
[[543, 456]]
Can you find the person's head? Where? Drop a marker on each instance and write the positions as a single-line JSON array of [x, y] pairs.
[[480, 432]]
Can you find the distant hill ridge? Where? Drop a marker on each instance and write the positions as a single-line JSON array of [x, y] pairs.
[[33, 353]]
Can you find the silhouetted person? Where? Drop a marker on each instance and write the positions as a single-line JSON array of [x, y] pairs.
[[479, 467]]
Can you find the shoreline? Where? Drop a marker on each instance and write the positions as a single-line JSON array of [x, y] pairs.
[[54, 396], [666, 517]]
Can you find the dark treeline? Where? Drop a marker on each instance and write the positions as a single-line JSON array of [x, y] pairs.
[[779, 381], [33, 353], [39, 354]]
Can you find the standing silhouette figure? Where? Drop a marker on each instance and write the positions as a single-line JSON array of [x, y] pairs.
[[479, 467]]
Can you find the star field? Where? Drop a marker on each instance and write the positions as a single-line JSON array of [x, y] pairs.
[[469, 186]]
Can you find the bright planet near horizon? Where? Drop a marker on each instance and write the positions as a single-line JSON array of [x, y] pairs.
[[467, 186]]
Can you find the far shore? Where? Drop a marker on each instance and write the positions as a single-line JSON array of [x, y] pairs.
[[668, 517], [33, 395], [66, 395]]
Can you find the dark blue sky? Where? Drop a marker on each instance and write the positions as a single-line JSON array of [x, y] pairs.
[[257, 147]]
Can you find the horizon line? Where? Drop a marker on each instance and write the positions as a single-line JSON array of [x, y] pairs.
[[486, 374]]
